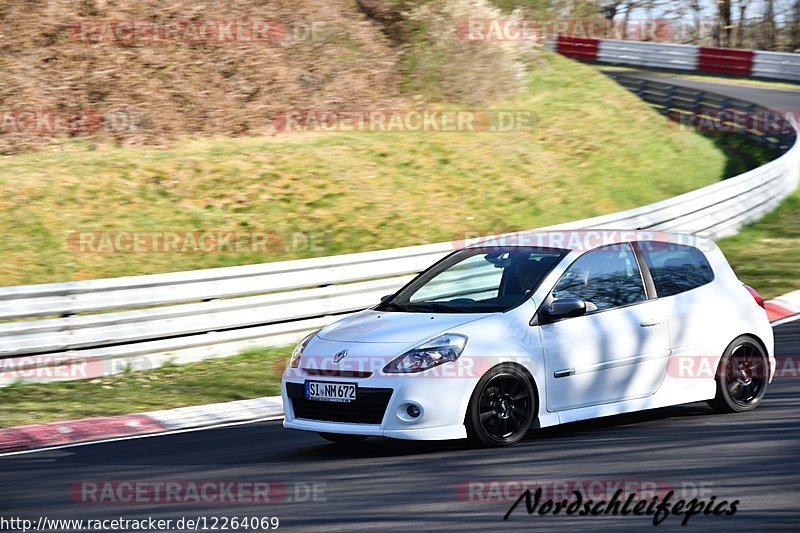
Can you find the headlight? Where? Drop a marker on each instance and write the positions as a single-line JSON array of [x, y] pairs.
[[294, 361], [435, 352]]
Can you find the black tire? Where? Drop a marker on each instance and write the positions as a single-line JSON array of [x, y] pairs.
[[340, 438], [742, 376], [501, 408]]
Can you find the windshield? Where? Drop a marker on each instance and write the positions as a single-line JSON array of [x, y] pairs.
[[476, 280]]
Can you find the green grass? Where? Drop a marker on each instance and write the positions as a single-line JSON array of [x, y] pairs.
[[596, 149], [252, 374], [766, 254]]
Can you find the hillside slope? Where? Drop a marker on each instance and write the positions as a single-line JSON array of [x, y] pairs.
[[595, 149], [319, 55]]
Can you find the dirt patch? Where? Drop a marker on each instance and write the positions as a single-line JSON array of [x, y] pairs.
[[64, 63]]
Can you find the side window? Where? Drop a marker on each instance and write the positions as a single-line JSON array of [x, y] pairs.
[[676, 268], [604, 278]]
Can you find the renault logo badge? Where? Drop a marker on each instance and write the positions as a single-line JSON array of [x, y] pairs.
[[339, 356]]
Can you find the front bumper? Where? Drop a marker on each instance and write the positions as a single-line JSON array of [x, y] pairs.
[[442, 402]]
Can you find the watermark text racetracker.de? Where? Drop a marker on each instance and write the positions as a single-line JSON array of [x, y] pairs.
[[66, 367], [177, 31], [577, 240], [70, 367], [656, 499], [687, 366], [684, 366], [40, 122], [193, 241], [533, 30], [194, 491], [181, 32], [405, 120], [765, 122]]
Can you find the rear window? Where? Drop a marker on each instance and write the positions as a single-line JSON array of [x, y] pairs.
[[676, 268]]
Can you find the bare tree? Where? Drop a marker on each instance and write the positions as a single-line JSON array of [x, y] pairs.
[[772, 24], [609, 10], [740, 26], [795, 27], [768, 25], [724, 23], [696, 9]]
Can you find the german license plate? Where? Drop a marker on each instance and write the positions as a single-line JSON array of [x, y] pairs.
[[331, 392]]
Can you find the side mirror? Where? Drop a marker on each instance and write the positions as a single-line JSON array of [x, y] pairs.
[[569, 307], [384, 298]]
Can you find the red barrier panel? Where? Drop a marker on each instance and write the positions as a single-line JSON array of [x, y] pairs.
[[725, 61], [578, 47]]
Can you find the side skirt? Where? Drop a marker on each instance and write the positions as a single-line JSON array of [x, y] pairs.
[[698, 394]]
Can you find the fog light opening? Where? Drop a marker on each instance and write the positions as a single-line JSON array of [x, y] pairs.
[[410, 413]]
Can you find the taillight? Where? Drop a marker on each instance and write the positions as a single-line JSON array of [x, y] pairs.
[[754, 293]]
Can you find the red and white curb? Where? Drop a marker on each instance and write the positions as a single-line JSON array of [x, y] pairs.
[[57, 434], [783, 307], [269, 407]]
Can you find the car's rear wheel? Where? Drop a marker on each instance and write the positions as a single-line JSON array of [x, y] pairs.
[[339, 438], [501, 408], [741, 377]]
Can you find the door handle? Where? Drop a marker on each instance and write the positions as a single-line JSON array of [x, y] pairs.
[[564, 373], [650, 323]]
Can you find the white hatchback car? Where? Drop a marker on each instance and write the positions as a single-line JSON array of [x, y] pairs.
[[501, 337]]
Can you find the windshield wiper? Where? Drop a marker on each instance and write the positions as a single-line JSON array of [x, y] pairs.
[[389, 306], [431, 306], [426, 307]]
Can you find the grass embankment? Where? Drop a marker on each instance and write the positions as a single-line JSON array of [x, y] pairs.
[[766, 254], [251, 374], [596, 149]]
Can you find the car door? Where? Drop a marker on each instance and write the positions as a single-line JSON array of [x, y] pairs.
[[682, 279], [619, 349]]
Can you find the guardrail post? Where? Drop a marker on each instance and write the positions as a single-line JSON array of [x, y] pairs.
[[640, 90], [698, 100], [670, 96]]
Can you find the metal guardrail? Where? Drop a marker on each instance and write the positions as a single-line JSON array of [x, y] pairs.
[[777, 65], [105, 326], [648, 55], [682, 57]]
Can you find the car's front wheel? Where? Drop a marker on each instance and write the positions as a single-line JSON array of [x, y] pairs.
[[742, 377], [340, 438], [501, 408]]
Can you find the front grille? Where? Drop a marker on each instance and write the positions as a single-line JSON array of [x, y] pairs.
[[369, 408], [337, 373]]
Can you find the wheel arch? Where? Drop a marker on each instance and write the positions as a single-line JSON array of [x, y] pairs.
[[528, 375], [763, 345], [759, 340], [752, 336]]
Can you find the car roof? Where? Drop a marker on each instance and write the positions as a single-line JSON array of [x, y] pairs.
[[583, 240]]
